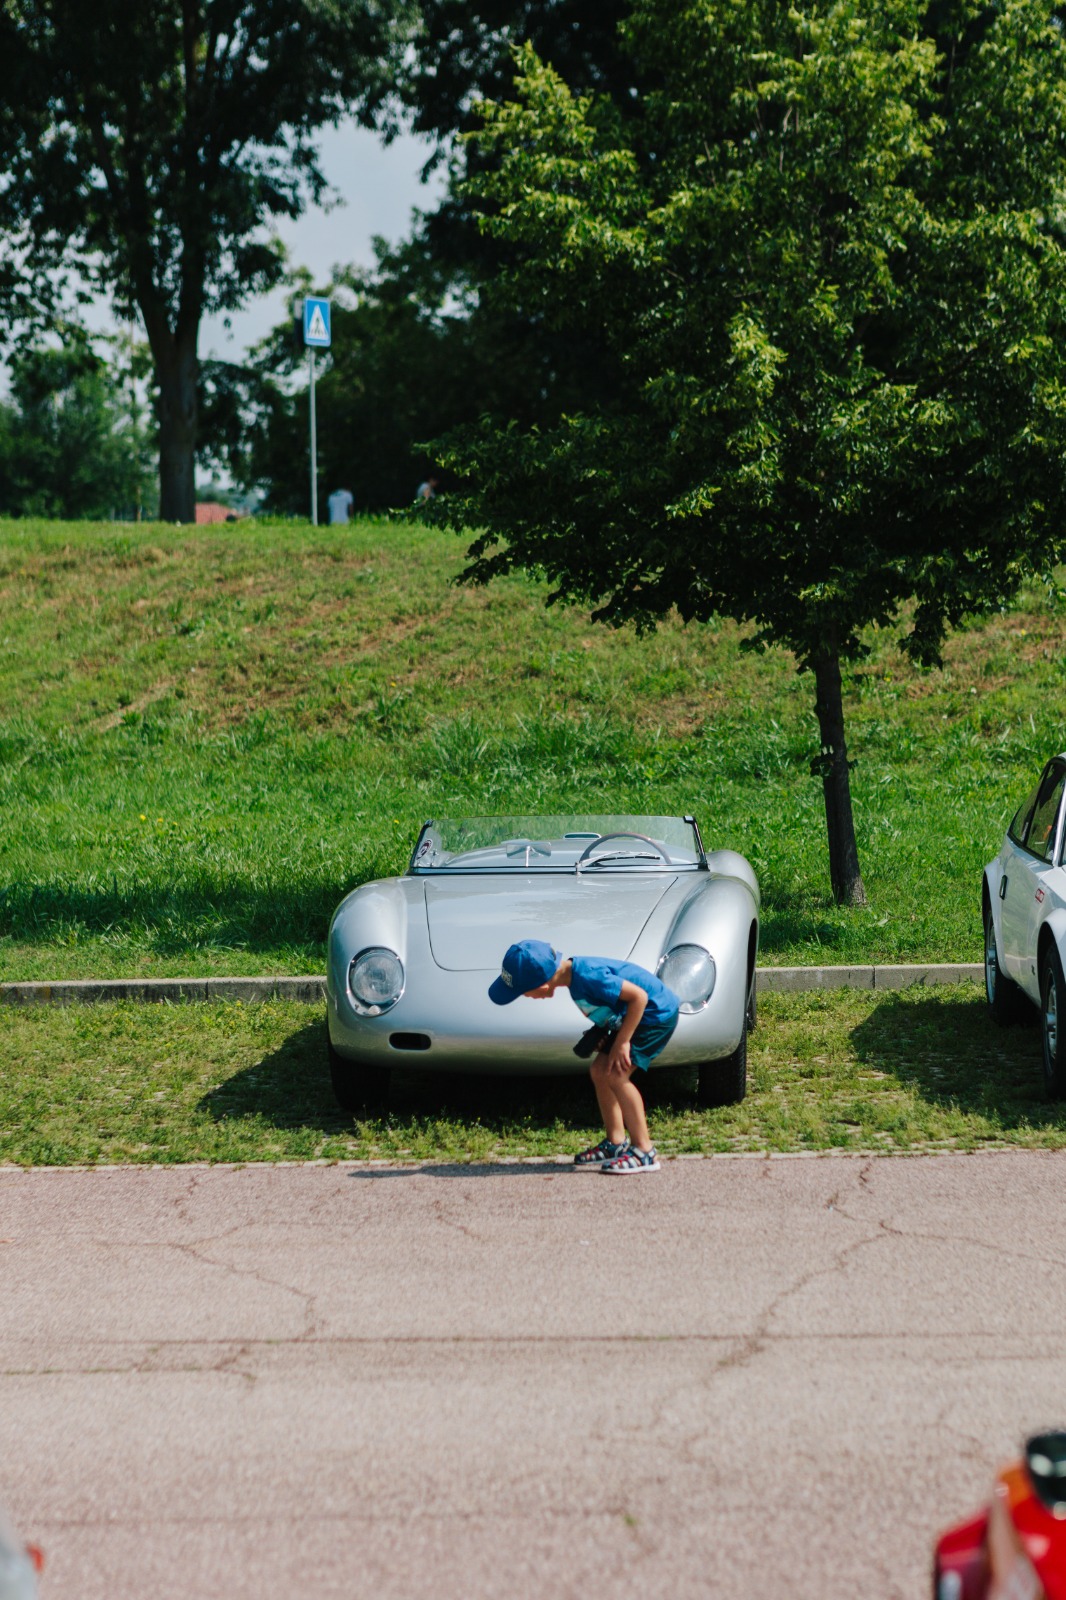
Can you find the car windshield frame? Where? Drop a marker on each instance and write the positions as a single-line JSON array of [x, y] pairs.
[[448, 847]]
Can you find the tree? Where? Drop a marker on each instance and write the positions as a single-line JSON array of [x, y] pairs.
[[464, 53], [71, 440], [825, 266], [419, 347], [156, 142]]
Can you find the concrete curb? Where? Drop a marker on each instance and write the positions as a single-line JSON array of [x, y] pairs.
[[311, 990], [790, 980], [250, 991]]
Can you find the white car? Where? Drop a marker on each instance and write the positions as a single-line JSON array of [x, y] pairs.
[[1024, 908]]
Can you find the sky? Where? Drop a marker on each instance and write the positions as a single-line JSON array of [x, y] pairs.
[[379, 188]]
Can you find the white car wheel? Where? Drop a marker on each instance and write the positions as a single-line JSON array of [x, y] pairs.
[[1000, 992]]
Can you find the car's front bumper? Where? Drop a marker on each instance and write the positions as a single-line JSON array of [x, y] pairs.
[[446, 1023]]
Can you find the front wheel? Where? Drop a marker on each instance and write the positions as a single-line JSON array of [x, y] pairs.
[[724, 1082], [1052, 1021], [356, 1087], [1000, 992]]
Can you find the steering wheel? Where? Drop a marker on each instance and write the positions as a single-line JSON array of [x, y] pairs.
[[604, 837]]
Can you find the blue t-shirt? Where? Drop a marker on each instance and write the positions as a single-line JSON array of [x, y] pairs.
[[596, 989]]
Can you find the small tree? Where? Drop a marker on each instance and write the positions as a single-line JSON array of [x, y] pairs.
[[156, 141], [825, 271]]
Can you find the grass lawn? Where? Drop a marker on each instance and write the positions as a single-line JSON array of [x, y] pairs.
[[903, 1071], [209, 735]]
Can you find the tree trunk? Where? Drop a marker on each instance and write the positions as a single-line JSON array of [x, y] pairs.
[[832, 767], [177, 375]]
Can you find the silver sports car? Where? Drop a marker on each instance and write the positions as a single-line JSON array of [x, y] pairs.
[[410, 959], [1024, 908]]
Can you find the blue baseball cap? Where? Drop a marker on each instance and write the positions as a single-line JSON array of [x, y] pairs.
[[526, 966]]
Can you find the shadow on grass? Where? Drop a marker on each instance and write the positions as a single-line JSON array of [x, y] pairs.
[[790, 918], [955, 1056], [222, 913], [290, 1088]]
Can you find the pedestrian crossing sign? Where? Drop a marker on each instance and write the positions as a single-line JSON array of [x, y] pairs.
[[316, 323]]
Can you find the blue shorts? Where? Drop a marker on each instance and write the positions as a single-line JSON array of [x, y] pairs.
[[650, 1040]]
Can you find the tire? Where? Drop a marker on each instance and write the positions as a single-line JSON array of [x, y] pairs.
[[724, 1082], [751, 1015], [357, 1088], [1052, 1023], [1000, 992]]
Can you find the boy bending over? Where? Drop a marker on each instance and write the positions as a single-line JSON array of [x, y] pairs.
[[637, 1014]]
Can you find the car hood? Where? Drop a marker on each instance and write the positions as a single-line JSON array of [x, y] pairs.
[[473, 920]]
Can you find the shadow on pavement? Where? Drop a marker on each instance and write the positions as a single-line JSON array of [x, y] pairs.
[[476, 1169]]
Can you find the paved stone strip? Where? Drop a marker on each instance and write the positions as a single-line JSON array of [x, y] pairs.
[[311, 989]]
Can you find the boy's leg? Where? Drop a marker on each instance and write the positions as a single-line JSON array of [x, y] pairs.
[[621, 1104], [607, 1100]]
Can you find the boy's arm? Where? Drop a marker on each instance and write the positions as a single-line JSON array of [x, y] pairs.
[[636, 999]]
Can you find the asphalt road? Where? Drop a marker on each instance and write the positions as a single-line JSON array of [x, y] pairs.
[[732, 1378]]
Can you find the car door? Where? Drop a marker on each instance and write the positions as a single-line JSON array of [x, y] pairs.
[[1043, 833], [1031, 844]]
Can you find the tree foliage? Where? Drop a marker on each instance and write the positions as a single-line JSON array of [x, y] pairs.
[[464, 53], [418, 348], [73, 440], [826, 266], [155, 143]]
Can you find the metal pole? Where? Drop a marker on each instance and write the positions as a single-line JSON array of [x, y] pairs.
[[314, 441]]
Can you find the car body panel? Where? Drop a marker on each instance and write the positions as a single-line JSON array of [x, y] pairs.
[[467, 919], [450, 932], [1027, 894]]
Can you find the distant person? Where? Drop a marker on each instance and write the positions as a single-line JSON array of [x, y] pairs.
[[633, 1015], [341, 506], [427, 490]]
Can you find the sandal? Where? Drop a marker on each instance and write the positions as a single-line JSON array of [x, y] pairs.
[[632, 1161], [597, 1154]]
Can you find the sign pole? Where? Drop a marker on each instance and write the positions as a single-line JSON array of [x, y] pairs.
[[314, 440], [317, 336]]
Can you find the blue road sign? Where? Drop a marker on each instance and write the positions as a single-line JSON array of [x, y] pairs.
[[316, 324]]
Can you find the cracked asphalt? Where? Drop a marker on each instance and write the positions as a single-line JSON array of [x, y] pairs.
[[734, 1377]]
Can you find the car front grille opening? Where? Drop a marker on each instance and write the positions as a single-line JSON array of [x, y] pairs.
[[409, 1041]]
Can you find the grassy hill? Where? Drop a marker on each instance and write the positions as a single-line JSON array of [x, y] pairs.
[[208, 735]]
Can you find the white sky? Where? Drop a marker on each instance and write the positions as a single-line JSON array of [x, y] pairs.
[[380, 189]]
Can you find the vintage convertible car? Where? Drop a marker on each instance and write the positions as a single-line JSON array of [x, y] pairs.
[[1024, 909], [410, 959], [1016, 1549]]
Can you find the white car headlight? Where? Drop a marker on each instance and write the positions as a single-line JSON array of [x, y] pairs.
[[375, 981], [689, 971]]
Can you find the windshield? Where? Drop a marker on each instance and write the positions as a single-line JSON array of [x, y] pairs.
[[559, 844]]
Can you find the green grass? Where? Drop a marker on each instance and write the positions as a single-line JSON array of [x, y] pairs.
[[909, 1071], [208, 736]]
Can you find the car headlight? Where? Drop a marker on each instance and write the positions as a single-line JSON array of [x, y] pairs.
[[689, 971], [375, 981]]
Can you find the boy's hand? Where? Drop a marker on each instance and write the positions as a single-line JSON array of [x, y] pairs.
[[619, 1059]]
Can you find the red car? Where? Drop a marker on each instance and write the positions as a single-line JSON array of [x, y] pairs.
[[1016, 1548]]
